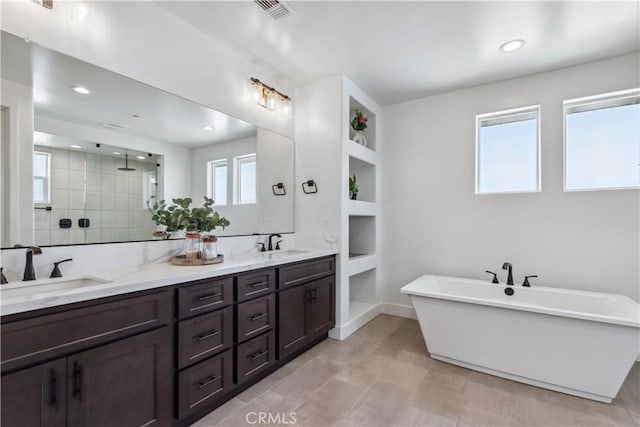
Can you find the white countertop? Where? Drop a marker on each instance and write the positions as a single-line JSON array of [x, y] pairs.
[[124, 280]]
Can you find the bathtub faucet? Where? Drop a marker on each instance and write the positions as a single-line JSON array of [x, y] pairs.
[[508, 266]]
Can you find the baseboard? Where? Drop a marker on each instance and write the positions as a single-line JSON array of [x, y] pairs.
[[342, 332], [397, 310]]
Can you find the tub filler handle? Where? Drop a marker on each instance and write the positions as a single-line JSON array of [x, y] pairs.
[[526, 283]]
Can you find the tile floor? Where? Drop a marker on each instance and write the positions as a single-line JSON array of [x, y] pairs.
[[382, 376]]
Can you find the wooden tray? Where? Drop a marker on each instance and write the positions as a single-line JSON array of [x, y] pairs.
[[182, 260]]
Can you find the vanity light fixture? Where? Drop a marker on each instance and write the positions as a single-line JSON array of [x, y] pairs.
[[81, 90], [512, 45], [80, 147], [208, 128], [268, 97]]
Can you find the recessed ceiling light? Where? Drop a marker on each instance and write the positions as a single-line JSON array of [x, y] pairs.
[[512, 45], [77, 146], [116, 153], [80, 89], [140, 157], [208, 128]]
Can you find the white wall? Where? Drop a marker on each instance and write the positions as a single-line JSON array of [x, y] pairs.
[[434, 223], [141, 40], [19, 101]]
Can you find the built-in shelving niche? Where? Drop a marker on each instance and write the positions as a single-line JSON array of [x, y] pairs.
[[362, 236], [370, 131], [362, 293], [365, 177]]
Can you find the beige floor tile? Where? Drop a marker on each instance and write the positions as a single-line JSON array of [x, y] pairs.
[[440, 393], [306, 380], [419, 417], [630, 393], [224, 411], [381, 405], [330, 403]]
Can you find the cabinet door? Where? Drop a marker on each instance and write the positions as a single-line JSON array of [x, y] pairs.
[[35, 396], [125, 383], [293, 328], [321, 308]]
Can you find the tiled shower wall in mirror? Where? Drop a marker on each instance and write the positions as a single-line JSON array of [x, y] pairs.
[[90, 186]]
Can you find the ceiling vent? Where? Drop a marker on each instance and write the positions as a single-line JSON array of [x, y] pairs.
[[112, 125], [276, 8]]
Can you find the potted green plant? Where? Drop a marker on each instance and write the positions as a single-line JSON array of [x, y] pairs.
[[353, 188], [359, 124]]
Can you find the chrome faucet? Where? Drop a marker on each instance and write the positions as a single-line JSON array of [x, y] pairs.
[[271, 236], [508, 266], [29, 272]]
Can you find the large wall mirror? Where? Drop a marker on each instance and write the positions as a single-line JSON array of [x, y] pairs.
[[86, 153]]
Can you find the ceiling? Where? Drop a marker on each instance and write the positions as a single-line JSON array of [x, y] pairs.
[[113, 99], [397, 51]]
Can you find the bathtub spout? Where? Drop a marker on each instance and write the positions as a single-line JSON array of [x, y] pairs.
[[508, 266]]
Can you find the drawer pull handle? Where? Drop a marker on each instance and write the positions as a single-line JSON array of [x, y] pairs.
[[77, 381], [210, 296], [258, 354], [258, 316], [208, 381], [207, 335], [256, 285]]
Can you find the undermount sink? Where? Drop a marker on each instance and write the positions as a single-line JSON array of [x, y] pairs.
[[42, 287], [282, 253]]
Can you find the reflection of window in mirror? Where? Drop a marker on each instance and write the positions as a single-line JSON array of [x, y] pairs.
[[217, 181], [149, 189], [246, 179], [41, 177]]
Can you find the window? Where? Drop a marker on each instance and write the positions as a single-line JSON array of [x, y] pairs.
[[217, 181], [507, 151], [41, 177], [602, 142], [246, 179]]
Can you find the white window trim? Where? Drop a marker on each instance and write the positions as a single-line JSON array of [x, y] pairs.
[[211, 178], [529, 108], [568, 103], [237, 161], [47, 180]]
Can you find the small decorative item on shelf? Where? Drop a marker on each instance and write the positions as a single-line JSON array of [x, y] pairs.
[[160, 235], [353, 188], [194, 221], [359, 124]]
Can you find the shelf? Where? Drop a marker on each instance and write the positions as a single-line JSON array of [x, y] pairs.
[[358, 309], [361, 208], [361, 153], [362, 235], [361, 263], [370, 131]]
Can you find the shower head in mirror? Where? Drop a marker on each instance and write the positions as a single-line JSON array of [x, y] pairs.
[[126, 164]]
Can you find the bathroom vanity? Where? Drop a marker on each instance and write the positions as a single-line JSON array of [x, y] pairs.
[[164, 355]]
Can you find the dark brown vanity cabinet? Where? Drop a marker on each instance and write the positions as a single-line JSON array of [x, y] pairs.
[[121, 382], [306, 304]]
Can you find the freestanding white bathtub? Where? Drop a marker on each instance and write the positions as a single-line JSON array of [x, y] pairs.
[[580, 343]]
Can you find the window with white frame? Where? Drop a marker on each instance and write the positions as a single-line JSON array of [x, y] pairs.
[[217, 181], [246, 191], [602, 142], [41, 177], [508, 151]]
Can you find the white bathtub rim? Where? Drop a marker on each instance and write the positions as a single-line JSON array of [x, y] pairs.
[[518, 378], [410, 289]]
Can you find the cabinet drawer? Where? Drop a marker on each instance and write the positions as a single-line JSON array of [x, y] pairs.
[[252, 285], [255, 356], [255, 317], [204, 335], [303, 272], [205, 382], [204, 296], [28, 341]]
